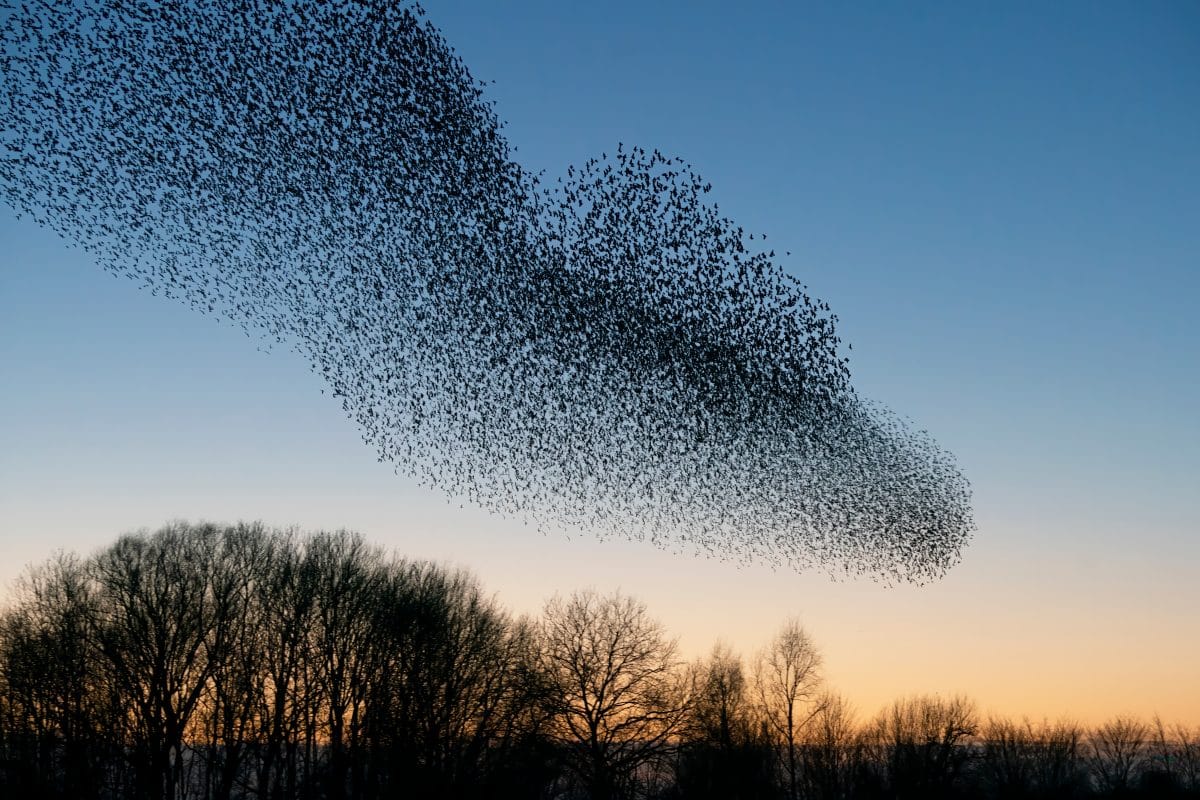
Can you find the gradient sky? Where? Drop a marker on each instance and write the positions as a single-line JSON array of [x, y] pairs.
[[1001, 202]]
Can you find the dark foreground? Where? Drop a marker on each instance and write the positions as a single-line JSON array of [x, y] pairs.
[[238, 662]]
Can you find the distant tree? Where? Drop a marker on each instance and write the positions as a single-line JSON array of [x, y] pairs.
[[1116, 753], [922, 745], [163, 623], [787, 681], [616, 690], [1021, 759], [227, 662], [724, 753], [722, 713], [230, 710], [1057, 755], [1006, 762], [521, 753], [223, 661], [284, 599], [453, 677], [1175, 756], [54, 709], [831, 751], [348, 574]]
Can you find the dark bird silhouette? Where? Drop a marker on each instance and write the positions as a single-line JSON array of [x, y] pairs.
[[606, 352]]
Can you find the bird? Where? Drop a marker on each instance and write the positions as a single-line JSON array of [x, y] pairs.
[[604, 352]]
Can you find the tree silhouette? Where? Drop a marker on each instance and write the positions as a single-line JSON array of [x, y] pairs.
[[920, 743], [54, 701], [1116, 752], [165, 618], [787, 679], [237, 661], [831, 756], [725, 752], [616, 689]]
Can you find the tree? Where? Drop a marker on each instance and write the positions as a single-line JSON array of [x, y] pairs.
[[163, 623], [787, 680], [724, 753], [1006, 760], [54, 704], [1175, 757], [233, 702], [921, 741], [1020, 760], [451, 679], [348, 575], [1058, 769], [616, 689], [285, 596], [1117, 752], [831, 750]]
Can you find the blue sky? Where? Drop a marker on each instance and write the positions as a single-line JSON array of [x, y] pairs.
[[1000, 202]]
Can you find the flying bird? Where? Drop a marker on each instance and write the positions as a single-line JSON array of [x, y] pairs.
[[604, 352]]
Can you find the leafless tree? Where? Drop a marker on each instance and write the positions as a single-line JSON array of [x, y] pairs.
[[1116, 752], [239, 662], [1007, 756], [451, 678], [723, 709], [724, 752], [48, 669], [1058, 768], [787, 681], [285, 597], [1176, 752], [616, 689], [1024, 759], [236, 661], [229, 711], [162, 625], [347, 573], [831, 751], [922, 744]]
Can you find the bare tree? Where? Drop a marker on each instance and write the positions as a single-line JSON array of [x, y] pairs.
[[450, 678], [284, 597], [722, 709], [1117, 752], [233, 661], [1007, 756], [724, 753], [1057, 754], [48, 669], [831, 749], [1172, 760], [230, 709], [1188, 755], [162, 627], [922, 744], [616, 689], [348, 574], [787, 680]]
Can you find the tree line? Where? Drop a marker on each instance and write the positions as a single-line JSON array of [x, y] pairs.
[[220, 662]]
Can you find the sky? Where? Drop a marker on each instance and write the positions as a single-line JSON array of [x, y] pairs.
[[1001, 203]]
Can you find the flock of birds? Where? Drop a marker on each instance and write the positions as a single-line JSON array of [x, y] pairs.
[[604, 352]]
